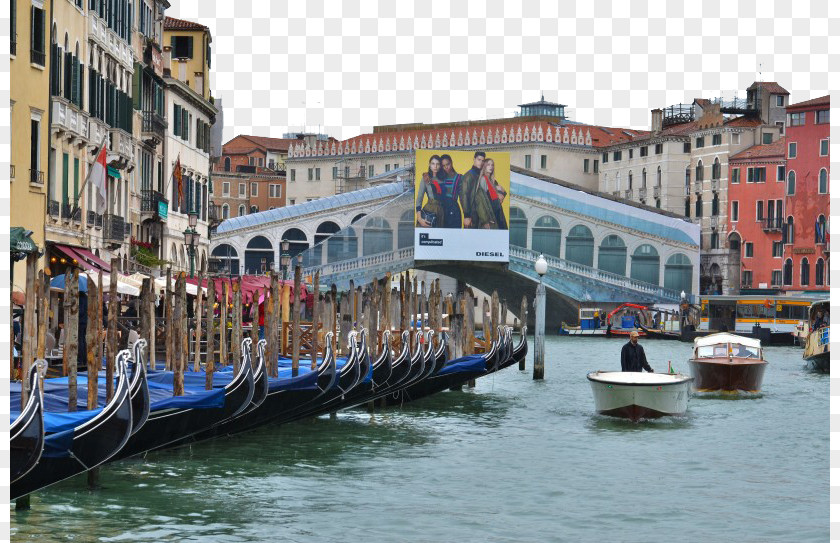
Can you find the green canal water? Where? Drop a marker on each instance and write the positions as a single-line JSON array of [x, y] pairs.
[[510, 460]]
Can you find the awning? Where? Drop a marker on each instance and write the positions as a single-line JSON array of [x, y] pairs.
[[93, 259], [71, 253], [20, 243], [113, 172], [57, 283]]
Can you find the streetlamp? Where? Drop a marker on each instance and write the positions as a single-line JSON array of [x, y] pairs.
[[191, 237], [285, 257], [541, 267]]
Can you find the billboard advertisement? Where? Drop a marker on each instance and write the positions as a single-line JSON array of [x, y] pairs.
[[462, 205]]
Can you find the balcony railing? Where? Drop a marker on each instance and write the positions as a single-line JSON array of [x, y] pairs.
[[52, 208], [628, 194], [642, 193], [113, 228], [36, 177], [67, 117], [154, 124], [772, 224], [37, 57], [154, 203], [91, 219], [99, 219], [657, 192]]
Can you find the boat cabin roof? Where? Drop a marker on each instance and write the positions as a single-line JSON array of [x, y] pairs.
[[724, 337]]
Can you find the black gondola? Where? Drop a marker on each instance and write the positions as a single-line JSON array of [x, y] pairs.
[[139, 387], [88, 444], [26, 434]]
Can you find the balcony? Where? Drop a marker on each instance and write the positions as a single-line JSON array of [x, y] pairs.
[[154, 128], [71, 212], [715, 184], [772, 224], [657, 192], [98, 223], [698, 187], [121, 145], [36, 177], [628, 194], [91, 219], [37, 57], [113, 228], [154, 204], [108, 40], [52, 209], [68, 121], [642, 193]]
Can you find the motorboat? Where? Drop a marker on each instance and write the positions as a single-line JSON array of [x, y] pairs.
[[636, 395], [728, 364], [817, 353]]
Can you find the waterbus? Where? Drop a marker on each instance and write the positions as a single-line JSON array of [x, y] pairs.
[[775, 315]]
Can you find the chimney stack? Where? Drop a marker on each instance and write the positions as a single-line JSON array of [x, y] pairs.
[[656, 121]]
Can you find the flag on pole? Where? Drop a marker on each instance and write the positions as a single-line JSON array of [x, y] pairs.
[[176, 173], [97, 175]]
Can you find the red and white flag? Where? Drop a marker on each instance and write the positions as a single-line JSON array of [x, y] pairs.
[[97, 176], [179, 178]]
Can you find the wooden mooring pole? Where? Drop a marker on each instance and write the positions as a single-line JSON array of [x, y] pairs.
[[316, 315], [523, 320], [71, 335], [210, 360], [178, 343], [199, 298], [296, 323]]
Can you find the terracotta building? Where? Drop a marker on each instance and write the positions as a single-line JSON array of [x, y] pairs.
[[805, 233]]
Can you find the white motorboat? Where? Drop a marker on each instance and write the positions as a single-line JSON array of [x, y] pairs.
[[635, 395]]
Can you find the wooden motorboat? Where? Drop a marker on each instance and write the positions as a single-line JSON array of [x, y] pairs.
[[817, 353], [636, 395], [728, 364], [26, 433]]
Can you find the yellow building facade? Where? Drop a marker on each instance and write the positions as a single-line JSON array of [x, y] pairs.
[[30, 101], [188, 47]]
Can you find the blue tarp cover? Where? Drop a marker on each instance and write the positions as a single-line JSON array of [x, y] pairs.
[[470, 363], [58, 445]]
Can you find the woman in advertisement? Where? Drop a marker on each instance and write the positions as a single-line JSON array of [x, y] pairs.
[[487, 199], [430, 215]]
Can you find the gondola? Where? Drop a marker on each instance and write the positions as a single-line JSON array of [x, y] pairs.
[[521, 349], [139, 387], [174, 418], [87, 445], [26, 433]]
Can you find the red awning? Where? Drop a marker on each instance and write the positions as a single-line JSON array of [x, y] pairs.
[[93, 259], [71, 252]]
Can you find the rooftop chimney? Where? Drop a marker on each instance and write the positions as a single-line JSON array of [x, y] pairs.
[[656, 121]]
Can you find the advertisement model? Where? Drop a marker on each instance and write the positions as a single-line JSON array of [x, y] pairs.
[[462, 205]]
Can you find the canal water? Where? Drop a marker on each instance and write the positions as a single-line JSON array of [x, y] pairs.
[[510, 460]]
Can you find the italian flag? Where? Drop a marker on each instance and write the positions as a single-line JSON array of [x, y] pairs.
[[96, 177]]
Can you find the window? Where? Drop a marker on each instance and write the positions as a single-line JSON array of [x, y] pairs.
[[658, 149], [242, 190], [226, 188], [261, 161], [700, 142], [776, 278], [35, 151], [311, 173], [780, 173], [759, 210], [630, 153], [746, 278], [659, 176], [735, 211], [820, 230], [698, 207], [271, 164], [585, 165], [780, 100], [792, 149], [687, 210], [796, 119], [643, 151], [778, 248], [823, 147], [317, 174], [291, 201], [748, 249], [370, 170], [767, 138], [714, 240], [819, 273], [335, 172], [543, 161], [736, 176], [698, 171], [736, 139], [227, 163], [717, 139], [616, 156], [788, 232], [756, 175], [275, 191], [254, 189], [781, 125], [251, 161], [687, 147], [791, 183], [37, 38], [630, 180], [604, 158], [821, 116], [241, 210], [291, 175], [823, 182], [527, 163], [804, 272], [255, 209], [225, 211], [594, 166], [716, 169], [644, 178], [396, 166], [715, 205], [182, 46]]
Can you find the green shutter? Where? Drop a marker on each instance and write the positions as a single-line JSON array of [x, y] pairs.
[[190, 47], [137, 87], [65, 178], [176, 120], [76, 181]]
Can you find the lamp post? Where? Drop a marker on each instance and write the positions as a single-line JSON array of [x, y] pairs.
[[285, 257], [191, 237], [541, 267]]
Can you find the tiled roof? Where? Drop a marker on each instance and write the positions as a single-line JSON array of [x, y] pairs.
[[702, 102], [821, 101], [245, 142], [745, 122], [769, 151], [171, 23], [771, 86]]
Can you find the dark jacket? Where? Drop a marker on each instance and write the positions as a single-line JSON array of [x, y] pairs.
[[633, 358]]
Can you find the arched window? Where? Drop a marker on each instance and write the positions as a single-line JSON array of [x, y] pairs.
[[377, 237], [255, 209], [241, 210], [227, 163], [630, 180], [678, 273], [297, 242], [518, 228], [715, 205], [358, 217], [659, 176], [580, 245], [823, 184], [228, 259], [644, 264], [787, 233], [804, 272], [644, 178], [546, 236], [259, 255], [791, 183], [716, 169], [405, 229], [323, 232], [698, 171], [225, 211], [788, 272], [820, 230], [687, 178], [819, 273], [612, 255]]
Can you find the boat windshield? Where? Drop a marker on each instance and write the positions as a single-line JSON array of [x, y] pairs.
[[744, 351], [723, 350]]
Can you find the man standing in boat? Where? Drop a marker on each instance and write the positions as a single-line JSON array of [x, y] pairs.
[[633, 355]]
